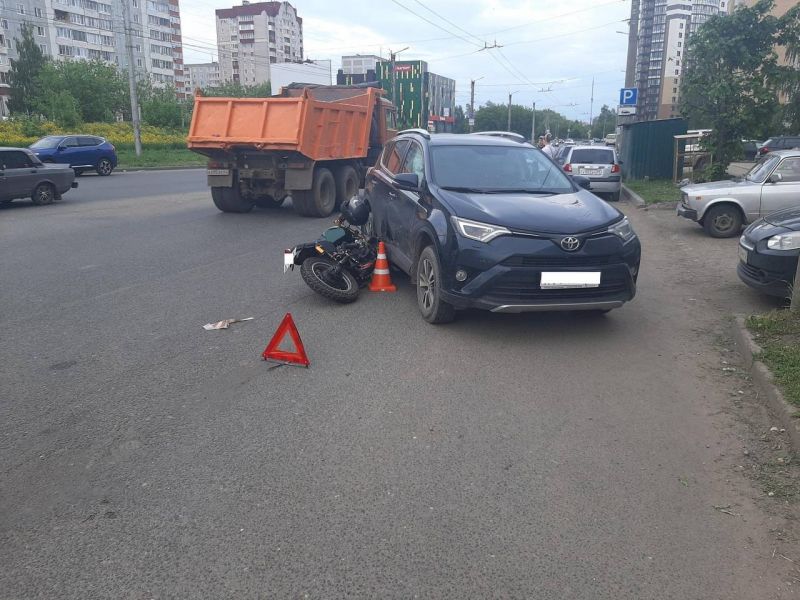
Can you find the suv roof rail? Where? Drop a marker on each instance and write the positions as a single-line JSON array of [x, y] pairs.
[[423, 132]]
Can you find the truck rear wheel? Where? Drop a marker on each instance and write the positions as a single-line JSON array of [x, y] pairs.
[[230, 200], [320, 200], [346, 184]]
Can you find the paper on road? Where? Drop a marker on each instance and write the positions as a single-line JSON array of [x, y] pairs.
[[224, 324]]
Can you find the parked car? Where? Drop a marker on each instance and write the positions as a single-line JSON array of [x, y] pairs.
[[781, 142], [509, 135], [769, 251], [600, 165], [610, 139], [722, 207], [562, 153], [751, 149], [81, 152], [485, 222], [22, 175]]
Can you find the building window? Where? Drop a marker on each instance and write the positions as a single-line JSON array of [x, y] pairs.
[[4, 24], [680, 34], [677, 71], [38, 12], [681, 25], [21, 9], [40, 31]]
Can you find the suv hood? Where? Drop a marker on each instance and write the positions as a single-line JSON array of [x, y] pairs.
[[575, 212]]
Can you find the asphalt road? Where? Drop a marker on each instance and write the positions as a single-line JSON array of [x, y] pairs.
[[519, 456]]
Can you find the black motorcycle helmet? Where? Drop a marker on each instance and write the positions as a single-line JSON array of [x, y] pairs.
[[356, 210]]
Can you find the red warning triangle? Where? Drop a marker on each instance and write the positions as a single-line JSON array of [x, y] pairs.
[[272, 352]]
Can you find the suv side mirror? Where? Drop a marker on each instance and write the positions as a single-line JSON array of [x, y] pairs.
[[407, 181], [775, 178], [582, 181]]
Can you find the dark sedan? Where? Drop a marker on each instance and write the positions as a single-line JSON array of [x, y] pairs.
[[769, 251], [22, 175], [484, 222]]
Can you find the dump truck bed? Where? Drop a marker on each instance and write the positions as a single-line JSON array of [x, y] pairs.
[[324, 123]]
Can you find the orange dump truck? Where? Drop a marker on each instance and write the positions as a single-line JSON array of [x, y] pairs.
[[314, 143]]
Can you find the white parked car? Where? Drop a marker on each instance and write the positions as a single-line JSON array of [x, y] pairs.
[[722, 207]]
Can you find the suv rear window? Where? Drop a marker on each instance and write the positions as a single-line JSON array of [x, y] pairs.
[[590, 156], [88, 141]]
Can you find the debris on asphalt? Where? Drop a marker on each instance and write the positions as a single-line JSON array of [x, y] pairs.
[[727, 510], [746, 452], [224, 324], [773, 429]]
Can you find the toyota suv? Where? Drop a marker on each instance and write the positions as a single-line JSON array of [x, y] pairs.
[[486, 222]]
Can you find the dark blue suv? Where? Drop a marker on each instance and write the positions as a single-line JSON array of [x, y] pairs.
[[81, 152], [484, 222]]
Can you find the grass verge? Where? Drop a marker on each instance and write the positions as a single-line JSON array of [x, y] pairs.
[[655, 191], [778, 334], [159, 157]]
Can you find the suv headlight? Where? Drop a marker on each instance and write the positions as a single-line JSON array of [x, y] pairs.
[[481, 232], [784, 241], [623, 229]]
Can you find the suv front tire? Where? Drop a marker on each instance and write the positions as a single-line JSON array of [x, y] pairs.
[[429, 293]]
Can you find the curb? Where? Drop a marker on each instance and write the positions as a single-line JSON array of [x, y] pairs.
[[632, 197], [762, 377], [183, 168]]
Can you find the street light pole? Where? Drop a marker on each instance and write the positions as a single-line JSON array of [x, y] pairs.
[[137, 133], [509, 113], [533, 125], [472, 103]]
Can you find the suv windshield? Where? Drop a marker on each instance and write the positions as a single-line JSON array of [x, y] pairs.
[[497, 169], [590, 156], [762, 168], [47, 142]]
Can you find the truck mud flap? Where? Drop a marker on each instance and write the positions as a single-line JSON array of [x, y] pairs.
[[299, 179]]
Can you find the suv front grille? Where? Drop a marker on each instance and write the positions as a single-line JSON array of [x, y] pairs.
[[516, 288], [521, 260]]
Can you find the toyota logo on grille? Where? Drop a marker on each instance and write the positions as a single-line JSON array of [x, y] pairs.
[[570, 243]]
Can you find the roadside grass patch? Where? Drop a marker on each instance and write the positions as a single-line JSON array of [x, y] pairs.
[[655, 191], [778, 334], [158, 156]]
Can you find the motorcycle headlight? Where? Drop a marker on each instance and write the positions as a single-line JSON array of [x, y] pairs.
[[481, 232], [623, 229], [784, 241]]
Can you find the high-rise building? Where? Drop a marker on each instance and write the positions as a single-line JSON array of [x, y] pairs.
[[94, 30], [202, 75], [423, 99], [254, 35], [657, 49]]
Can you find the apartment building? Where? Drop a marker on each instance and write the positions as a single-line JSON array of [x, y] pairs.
[[94, 30], [657, 49], [255, 35], [202, 76], [423, 99]]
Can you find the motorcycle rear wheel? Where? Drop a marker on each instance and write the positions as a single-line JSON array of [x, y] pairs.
[[319, 273]]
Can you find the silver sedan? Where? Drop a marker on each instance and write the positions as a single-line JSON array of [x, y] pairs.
[[722, 207]]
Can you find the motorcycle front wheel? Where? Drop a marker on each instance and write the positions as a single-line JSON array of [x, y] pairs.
[[326, 278]]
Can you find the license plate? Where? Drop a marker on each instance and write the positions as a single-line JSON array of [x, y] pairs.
[[590, 171], [569, 280], [743, 254], [288, 260], [219, 171]]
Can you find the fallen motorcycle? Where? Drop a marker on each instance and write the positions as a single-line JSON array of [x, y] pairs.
[[341, 261]]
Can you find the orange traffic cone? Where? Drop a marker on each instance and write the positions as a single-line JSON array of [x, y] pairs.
[[381, 282]]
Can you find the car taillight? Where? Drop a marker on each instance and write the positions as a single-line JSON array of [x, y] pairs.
[[763, 150], [615, 168], [568, 168]]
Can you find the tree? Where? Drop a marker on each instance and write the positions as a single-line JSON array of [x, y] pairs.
[[731, 78], [23, 76], [99, 88], [62, 108], [494, 117], [461, 125], [237, 90], [604, 123], [789, 74]]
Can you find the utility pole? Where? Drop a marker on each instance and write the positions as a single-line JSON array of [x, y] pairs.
[[137, 132], [533, 125], [591, 109], [471, 105], [509, 113]]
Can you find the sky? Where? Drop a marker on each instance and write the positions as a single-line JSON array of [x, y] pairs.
[[547, 51]]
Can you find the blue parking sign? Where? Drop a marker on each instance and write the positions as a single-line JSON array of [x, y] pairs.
[[628, 96]]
